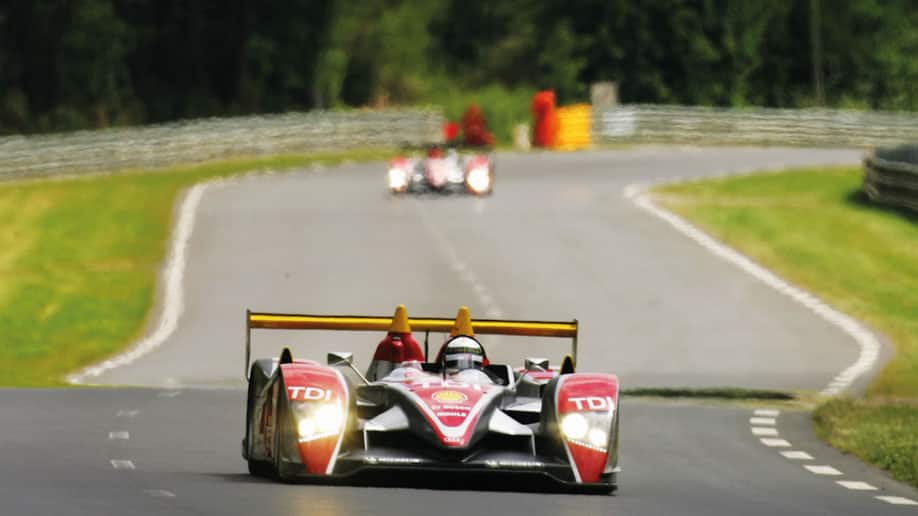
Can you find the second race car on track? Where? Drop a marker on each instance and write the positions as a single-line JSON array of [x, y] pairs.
[[442, 171], [456, 413]]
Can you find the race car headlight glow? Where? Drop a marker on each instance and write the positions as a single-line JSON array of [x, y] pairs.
[[479, 179], [325, 421], [574, 426], [398, 178], [306, 427], [599, 438], [329, 418]]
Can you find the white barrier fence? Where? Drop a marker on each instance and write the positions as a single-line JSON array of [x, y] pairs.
[[204, 139], [758, 126]]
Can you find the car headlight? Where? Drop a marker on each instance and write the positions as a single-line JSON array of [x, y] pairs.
[[599, 438], [479, 179], [574, 426], [329, 418], [306, 427], [398, 178], [325, 421]]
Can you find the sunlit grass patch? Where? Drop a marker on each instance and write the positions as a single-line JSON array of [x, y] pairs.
[[79, 260]]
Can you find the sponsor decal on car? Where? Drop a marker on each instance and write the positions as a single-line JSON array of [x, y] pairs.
[[310, 393], [450, 396], [594, 403]]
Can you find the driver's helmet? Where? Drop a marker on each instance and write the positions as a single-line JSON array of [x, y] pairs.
[[461, 353]]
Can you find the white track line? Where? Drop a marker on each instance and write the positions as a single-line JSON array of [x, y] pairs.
[[796, 455], [775, 443], [822, 470], [466, 274], [764, 431], [856, 485], [122, 464], [172, 293], [761, 421], [173, 273], [127, 413], [869, 346], [119, 436], [159, 493], [767, 412], [897, 500]]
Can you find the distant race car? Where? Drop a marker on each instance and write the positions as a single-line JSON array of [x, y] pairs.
[[456, 413], [442, 171]]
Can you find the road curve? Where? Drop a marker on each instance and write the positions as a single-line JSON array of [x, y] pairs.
[[557, 240]]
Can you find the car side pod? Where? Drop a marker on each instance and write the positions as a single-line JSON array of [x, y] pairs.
[[585, 407], [318, 409]]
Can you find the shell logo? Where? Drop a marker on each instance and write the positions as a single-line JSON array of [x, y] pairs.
[[449, 396]]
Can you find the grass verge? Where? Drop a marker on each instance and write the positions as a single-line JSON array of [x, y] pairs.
[[722, 393], [79, 260], [815, 228], [883, 434]]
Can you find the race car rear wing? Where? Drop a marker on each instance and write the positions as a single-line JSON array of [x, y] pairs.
[[275, 321]]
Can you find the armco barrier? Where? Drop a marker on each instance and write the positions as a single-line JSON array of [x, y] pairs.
[[759, 126], [198, 140], [891, 176]]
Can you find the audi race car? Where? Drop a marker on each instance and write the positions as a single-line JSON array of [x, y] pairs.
[[457, 413], [442, 171]]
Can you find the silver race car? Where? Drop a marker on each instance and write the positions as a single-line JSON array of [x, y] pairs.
[[456, 413], [442, 171]]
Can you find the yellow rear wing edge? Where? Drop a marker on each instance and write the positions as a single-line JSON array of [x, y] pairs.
[[277, 321]]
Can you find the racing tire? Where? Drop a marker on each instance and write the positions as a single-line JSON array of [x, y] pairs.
[[257, 468], [279, 471]]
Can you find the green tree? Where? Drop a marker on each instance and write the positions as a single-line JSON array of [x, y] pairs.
[[93, 76]]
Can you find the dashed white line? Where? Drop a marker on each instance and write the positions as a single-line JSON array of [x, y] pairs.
[[127, 413], [761, 420], [119, 436], [775, 443], [168, 394], [767, 412], [897, 500], [160, 493], [796, 455], [855, 485], [822, 470], [868, 344], [122, 464], [764, 430], [465, 273]]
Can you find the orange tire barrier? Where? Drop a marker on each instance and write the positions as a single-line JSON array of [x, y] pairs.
[[575, 125]]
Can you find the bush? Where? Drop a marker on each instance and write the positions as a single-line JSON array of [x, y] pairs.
[[503, 107]]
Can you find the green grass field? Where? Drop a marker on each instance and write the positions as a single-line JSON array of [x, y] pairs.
[[815, 228], [79, 260]]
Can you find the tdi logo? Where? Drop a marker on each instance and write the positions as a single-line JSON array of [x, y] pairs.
[[593, 403], [309, 393]]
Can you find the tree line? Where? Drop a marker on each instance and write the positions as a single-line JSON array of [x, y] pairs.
[[71, 64]]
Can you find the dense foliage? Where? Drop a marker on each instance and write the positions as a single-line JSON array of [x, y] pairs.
[[68, 64]]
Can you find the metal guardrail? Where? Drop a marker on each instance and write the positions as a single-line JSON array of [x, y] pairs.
[[204, 139], [759, 126], [891, 176]]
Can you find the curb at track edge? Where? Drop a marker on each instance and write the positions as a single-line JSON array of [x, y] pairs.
[[867, 341], [171, 278]]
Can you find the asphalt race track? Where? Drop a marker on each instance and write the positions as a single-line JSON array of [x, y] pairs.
[[558, 240]]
